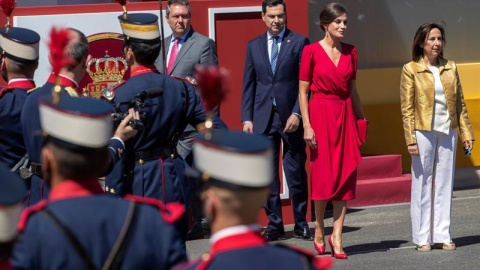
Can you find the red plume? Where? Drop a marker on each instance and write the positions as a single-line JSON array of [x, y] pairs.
[[211, 82], [8, 6], [122, 2], [59, 39]]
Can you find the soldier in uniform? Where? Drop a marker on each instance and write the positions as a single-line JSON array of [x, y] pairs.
[[79, 226], [235, 170], [152, 167], [69, 77], [19, 60], [12, 191]]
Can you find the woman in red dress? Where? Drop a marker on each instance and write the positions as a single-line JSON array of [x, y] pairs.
[[328, 69]]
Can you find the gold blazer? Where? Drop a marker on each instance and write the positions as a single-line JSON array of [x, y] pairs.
[[417, 97]]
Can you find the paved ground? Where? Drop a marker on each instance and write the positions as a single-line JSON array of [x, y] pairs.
[[380, 238]]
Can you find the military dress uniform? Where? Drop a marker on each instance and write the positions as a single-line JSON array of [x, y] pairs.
[[20, 45], [151, 159], [32, 133], [242, 248], [81, 227], [12, 191], [237, 161], [12, 98]]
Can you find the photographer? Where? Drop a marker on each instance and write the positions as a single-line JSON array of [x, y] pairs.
[[152, 167]]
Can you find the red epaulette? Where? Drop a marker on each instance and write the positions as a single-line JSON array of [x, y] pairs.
[[28, 211], [4, 90], [319, 262], [188, 79], [171, 212], [117, 85]]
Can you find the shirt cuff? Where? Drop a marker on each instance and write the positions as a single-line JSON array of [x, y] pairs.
[[298, 115], [248, 121]]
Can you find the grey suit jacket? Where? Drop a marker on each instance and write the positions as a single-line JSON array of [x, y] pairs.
[[196, 49]]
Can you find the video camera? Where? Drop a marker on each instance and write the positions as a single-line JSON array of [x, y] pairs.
[[137, 102]]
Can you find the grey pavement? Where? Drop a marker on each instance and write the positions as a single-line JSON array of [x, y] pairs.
[[379, 237]]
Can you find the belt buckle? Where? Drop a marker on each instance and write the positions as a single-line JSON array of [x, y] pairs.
[[25, 173]]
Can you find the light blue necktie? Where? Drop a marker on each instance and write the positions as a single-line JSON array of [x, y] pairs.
[[273, 60]]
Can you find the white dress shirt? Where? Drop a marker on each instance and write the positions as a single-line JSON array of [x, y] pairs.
[[441, 118]]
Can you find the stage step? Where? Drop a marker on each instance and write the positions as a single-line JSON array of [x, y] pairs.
[[382, 191], [381, 166]]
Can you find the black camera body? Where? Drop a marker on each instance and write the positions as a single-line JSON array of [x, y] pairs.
[[138, 102]]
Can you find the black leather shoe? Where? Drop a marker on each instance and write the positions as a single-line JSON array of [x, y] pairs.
[[274, 235], [198, 231], [303, 233]]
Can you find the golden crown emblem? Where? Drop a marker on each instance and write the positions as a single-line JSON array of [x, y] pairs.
[[105, 72]]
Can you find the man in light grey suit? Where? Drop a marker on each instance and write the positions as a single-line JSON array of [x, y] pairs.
[[186, 49]]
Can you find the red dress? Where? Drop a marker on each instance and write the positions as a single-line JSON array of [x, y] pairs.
[[334, 162]]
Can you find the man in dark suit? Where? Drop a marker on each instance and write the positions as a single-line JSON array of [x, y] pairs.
[[185, 49], [270, 107]]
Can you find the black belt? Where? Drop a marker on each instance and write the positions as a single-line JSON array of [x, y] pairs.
[[163, 152], [36, 169]]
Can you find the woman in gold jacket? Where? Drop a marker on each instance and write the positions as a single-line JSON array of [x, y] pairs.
[[433, 109]]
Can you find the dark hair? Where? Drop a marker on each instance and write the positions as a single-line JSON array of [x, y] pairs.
[[27, 68], [78, 49], [421, 35], [272, 3], [330, 12], [80, 165], [145, 52], [178, 2]]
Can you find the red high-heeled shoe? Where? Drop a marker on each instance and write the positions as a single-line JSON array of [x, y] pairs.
[[338, 256], [319, 248]]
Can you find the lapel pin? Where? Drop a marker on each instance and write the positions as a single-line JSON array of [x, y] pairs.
[[288, 41]]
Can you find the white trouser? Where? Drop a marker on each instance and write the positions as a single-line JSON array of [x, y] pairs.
[[432, 174]]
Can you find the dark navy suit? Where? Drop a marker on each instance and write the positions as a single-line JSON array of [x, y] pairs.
[[96, 220], [12, 98], [160, 177], [32, 132], [260, 88], [250, 251]]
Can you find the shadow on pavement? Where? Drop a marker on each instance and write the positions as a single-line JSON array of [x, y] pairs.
[[374, 247], [328, 231], [467, 240]]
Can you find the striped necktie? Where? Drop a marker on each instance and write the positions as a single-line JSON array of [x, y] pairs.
[[274, 57]]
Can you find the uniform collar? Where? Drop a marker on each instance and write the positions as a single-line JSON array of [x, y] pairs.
[[64, 81], [143, 70], [236, 237], [21, 83], [72, 189]]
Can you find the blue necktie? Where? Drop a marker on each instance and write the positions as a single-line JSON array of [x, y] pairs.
[[273, 60]]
